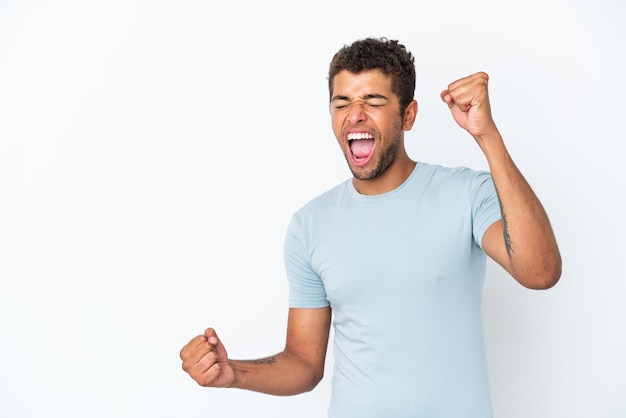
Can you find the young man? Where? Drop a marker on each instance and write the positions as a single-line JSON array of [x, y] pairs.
[[398, 253]]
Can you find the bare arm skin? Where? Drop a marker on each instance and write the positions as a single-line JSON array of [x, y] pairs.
[[523, 242], [297, 369]]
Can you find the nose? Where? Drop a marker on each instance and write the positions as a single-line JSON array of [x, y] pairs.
[[356, 114]]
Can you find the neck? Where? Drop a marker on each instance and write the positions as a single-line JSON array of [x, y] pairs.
[[393, 177]]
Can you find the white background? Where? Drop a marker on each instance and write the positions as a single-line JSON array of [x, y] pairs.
[[151, 153]]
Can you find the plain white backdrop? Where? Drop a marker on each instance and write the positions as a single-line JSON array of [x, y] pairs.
[[152, 152]]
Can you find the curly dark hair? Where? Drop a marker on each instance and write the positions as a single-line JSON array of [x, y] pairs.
[[389, 56]]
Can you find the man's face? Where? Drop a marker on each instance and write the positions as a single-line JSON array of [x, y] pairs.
[[367, 122]]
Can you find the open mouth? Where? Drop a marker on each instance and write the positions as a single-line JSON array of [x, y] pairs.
[[361, 147]]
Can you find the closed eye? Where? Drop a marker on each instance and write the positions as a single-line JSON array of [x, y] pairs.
[[372, 100]]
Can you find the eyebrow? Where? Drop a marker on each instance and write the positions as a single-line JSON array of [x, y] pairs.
[[366, 97]]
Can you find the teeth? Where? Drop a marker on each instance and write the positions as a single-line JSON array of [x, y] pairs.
[[360, 135]]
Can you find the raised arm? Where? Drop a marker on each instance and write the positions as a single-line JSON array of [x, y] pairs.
[[523, 241], [297, 369]]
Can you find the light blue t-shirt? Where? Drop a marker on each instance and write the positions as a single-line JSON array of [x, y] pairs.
[[403, 273]]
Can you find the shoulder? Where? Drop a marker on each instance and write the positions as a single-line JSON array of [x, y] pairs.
[[326, 199], [316, 213], [451, 177]]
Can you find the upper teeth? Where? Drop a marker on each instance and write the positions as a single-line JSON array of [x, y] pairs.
[[360, 135]]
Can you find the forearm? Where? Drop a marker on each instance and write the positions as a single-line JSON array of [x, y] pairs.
[[532, 254], [283, 374]]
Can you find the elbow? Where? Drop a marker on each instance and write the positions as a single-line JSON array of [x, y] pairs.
[[306, 382], [315, 380], [315, 377], [552, 272], [306, 375], [544, 282], [546, 278]]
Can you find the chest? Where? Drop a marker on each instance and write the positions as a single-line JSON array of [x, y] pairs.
[[361, 257]]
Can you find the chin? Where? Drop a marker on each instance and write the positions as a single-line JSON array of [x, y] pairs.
[[363, 173]]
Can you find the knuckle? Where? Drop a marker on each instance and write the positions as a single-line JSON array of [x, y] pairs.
[[209, 359]]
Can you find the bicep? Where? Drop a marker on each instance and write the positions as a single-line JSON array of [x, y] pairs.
[[308, 333]]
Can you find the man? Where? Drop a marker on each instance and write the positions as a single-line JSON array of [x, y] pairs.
[[398, 253]]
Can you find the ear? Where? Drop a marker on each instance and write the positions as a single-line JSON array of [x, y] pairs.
[[409, 116]]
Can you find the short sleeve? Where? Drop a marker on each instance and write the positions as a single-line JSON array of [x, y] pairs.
[[306, 289], [485, 205]]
